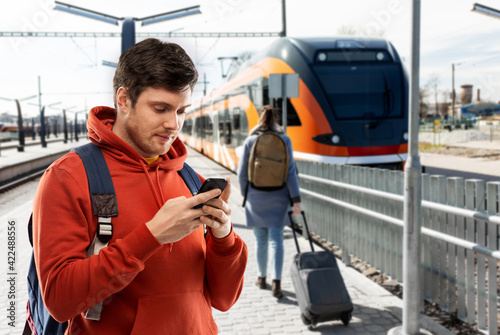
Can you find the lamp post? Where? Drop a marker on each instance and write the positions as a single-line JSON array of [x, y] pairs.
[[43, 129], [485, 10], [75, 126], [453, 94], [128, 26], [65, 122], [412, 271], [20, 124]]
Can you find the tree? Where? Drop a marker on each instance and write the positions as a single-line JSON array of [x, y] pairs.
[[433, 85], [244, 56], [6, 117], [360, 31], [446, 104], [422, 106], [347, 30]]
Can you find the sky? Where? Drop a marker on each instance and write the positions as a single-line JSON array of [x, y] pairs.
[[70, 73]]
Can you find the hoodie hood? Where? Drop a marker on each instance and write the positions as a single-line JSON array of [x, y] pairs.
[[100, 132]]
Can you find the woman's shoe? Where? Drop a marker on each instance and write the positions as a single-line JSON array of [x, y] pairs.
[[276, 289], [261, 282]]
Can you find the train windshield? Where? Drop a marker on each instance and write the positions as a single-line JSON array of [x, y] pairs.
[[361, 90]]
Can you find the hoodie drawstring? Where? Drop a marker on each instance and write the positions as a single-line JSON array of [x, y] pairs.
[[159, 184], [157, 197], [160, 200]]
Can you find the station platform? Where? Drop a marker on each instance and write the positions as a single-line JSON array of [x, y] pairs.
[[33, 157], [376, 311], [257, 312]]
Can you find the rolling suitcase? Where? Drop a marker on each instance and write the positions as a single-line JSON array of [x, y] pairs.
[[319, 286]]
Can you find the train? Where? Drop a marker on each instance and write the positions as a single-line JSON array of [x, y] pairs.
[[9, 130], [480, 109], [352, 106]]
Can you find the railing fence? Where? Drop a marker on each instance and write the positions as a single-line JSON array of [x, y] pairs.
[[360, 210]]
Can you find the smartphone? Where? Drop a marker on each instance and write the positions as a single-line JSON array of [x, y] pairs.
[[210, 184]]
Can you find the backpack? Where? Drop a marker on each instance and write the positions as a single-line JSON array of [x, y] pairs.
[[268, 163], [38, 319]]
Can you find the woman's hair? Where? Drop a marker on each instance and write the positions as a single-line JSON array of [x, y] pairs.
[[156, 64], [268, 117]]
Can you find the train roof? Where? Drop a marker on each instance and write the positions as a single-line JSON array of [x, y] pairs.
[[308, 46]]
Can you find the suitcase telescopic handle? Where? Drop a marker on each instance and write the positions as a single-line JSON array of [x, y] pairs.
[[295, 234]]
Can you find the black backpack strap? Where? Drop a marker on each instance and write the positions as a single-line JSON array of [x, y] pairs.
[[27, 329], [191, 179], [101, 188], [104, 202], [246, 194]]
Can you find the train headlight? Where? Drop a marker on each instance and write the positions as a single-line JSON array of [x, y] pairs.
[[405, 136], [322, 56], [330, 139], [380, 56]]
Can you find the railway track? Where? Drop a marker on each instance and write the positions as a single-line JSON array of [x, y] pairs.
[[21, 180]]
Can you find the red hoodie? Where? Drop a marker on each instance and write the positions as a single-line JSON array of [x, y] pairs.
[[146, 288]]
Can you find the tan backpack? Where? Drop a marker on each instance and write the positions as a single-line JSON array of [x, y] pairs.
[[268, 163]]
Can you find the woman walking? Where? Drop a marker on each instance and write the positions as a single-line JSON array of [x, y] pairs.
[[266, 211]]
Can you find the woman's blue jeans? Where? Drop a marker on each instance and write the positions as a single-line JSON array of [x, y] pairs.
[[266, 236]]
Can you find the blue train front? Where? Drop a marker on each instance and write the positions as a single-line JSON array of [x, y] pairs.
[[352, 106]]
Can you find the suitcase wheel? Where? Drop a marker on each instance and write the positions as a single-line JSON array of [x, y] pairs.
[[305, 319], [345, 318], [309, 322]]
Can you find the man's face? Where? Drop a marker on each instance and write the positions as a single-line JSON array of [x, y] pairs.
[[155, 121]]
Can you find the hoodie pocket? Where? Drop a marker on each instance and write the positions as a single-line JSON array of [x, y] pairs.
[[179, 313]]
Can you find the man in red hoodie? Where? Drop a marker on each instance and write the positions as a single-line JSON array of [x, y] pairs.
[[160, 273]]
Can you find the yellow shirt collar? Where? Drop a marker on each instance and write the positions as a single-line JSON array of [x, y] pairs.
[[152, 159]]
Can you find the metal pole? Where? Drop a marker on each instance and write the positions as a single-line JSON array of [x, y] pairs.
[[33, 128], [412, 271], [283, 17], [39, 95], [42, 127], [20, 127], [452, 89], [76, 127], [413, 194], [65, 127], [284, 103]]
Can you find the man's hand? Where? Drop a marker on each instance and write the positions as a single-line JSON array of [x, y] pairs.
[[217, 213], [178, 218]]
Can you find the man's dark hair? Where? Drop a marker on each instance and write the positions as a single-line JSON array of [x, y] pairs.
[[156, 64]]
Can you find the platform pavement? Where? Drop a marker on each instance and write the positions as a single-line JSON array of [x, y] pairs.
[[376, 311], [9, 155], [257, 312], [480, 165]]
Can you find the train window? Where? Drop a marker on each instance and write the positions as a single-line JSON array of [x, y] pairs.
[[210, 129], [197, 125], [353, 55], [222, 134], [188, 127], [363, 90], [236, 119], [229, 133], [265, 100], [292, 118]]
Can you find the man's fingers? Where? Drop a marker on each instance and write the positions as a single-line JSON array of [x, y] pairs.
[[205, 196], [227, 191]]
